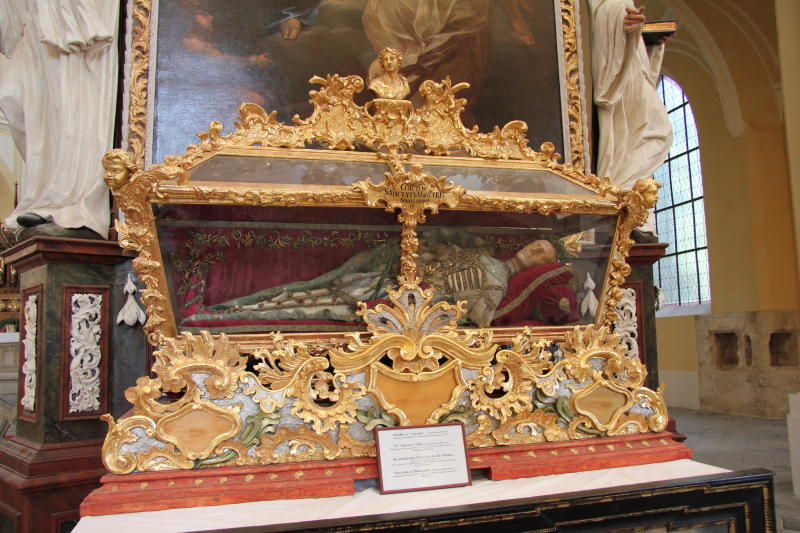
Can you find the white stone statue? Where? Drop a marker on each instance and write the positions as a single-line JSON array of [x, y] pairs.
[[58, 73], [635, 132]]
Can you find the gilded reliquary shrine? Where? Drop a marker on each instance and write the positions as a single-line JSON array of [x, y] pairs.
[[378, 265]]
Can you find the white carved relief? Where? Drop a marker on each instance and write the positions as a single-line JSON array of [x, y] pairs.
[[29, 344], [626, 324], [589, 301], [84, 349], [131, 313]]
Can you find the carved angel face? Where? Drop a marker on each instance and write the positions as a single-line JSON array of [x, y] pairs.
[[648, 188]]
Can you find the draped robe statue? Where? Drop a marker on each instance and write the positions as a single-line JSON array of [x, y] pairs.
[[58, 73], [635, 132]]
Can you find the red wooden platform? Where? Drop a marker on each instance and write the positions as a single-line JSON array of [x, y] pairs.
[[151, 491]]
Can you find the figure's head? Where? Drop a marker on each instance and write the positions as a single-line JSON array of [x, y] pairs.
[[204, 20], [648, 188], [390, 59], [537, 253]]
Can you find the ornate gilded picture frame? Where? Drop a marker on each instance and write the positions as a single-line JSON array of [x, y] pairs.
[[192, 61]]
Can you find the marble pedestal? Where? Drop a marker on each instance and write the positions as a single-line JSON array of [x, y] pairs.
[[70, 291]]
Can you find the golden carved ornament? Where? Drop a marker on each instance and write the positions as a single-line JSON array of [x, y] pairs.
[[352, 447], [414, 334], [322, 398], [572, 243], [412, 192], [194, 424], [482, 436], [138, 234], [572, 71], [635, 206], [537, 426], [583, 387], [502, 389], [607, 384], [301, 443], [338, 123], [140, 63], [141, 25]]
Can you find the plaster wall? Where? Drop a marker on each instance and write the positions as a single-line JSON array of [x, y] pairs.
[[677, 361], [788, 20]]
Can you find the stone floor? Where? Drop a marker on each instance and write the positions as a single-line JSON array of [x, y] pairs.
[[739, 443]]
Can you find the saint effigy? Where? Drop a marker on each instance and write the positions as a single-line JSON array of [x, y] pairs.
[[531, 287]]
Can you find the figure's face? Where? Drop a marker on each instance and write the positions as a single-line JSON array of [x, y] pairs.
[[204, 20], [537, 253], [390, 62], [650, 196]]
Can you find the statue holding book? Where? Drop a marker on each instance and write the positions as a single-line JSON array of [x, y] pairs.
[[635, 132]]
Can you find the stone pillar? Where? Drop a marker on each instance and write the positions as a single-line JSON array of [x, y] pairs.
[[67, 306]]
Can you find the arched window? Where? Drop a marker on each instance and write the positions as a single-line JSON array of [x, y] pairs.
[[682, 273]]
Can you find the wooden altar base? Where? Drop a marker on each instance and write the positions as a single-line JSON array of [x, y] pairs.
[[41, 486], [153, 491]]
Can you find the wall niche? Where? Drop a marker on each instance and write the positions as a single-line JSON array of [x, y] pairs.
[[782, 349], [726, 347], [745, 357]]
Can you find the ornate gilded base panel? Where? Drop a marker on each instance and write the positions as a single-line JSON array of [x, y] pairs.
[[312, 401]]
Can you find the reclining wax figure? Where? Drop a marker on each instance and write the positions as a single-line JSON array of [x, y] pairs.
[[531, 287]]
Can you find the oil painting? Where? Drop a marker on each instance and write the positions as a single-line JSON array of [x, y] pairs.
[[212, 55]]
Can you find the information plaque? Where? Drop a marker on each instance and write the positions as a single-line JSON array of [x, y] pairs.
[[422, 457]]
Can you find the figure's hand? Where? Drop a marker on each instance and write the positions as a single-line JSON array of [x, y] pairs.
[[634, 17], [291, 28], [522, 32], [663, 40], [259, 60]]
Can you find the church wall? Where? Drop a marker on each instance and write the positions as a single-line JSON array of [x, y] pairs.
[[747, 187], [677, 361], [788, 20]]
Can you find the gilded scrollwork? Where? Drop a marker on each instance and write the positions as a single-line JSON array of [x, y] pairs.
[[140, 63], [300, 444], [415, 334], [502, 389], [307, 398], [321, 398], [572, 79], [340, 124], [412, 192], [525, 428], [635, 206]]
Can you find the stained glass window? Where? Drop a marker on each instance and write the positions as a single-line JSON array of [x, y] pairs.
[[682, 273]]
